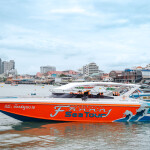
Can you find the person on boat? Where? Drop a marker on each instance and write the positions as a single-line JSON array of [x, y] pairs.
[[79, 92], [87, 92], [113, 93], [116, 94], [101, 95]]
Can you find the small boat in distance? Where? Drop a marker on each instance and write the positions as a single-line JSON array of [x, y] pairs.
[[14, 84], [82, 102]]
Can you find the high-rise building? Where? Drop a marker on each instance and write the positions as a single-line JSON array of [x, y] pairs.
[[7, 66], [45, 69], [11, 64], [90, 68]]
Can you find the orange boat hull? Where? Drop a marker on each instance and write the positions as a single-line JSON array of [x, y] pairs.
[[34, 111]]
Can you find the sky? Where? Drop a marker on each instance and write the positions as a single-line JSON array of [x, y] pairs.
[[68, 34]]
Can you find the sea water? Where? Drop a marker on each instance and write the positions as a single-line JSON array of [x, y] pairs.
[[67, 135]]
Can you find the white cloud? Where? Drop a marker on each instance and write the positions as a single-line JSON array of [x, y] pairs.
[[119, 48], [70, 34]]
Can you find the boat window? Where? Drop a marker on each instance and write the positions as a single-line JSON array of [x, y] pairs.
[[98, 91], [68, 95]]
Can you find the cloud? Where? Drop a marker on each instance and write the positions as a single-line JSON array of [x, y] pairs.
[[71, 33], [71, 10]]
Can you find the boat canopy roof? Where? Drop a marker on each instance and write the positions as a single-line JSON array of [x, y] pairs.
[[73, 85]]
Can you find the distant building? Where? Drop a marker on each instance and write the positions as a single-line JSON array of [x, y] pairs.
[[12, 72], [80, 70], [70, 72], [145, 74], [147, 66], [116, 75], [128, 75], [39, 75], [7, 66], [45, 69], [133, 76], [90, 68], [57, 73], [104, 76], [138, 68], [67, 73], [12, 64], [107, 79]]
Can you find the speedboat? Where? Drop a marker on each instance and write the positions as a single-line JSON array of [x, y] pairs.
[[82, 102], [143, 93]]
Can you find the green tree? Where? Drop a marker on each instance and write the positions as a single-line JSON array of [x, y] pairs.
[[63, 75]]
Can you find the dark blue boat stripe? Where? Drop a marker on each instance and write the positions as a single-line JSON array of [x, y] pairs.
[[25, 118]]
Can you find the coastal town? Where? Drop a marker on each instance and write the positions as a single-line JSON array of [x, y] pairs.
[[88, 73]]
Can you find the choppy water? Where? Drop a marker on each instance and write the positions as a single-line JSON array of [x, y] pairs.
[[71, 135]]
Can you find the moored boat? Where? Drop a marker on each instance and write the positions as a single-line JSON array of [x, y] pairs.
[[86, 102], [143, 93], [14, 84]]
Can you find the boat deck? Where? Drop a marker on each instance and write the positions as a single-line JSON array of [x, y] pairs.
[[116, 100]]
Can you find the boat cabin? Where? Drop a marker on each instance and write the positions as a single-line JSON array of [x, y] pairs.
[[96, 90]]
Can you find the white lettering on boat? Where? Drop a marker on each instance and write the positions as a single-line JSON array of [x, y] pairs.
[[58, 110], [7, 106], [75, 108], [16, 106]]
